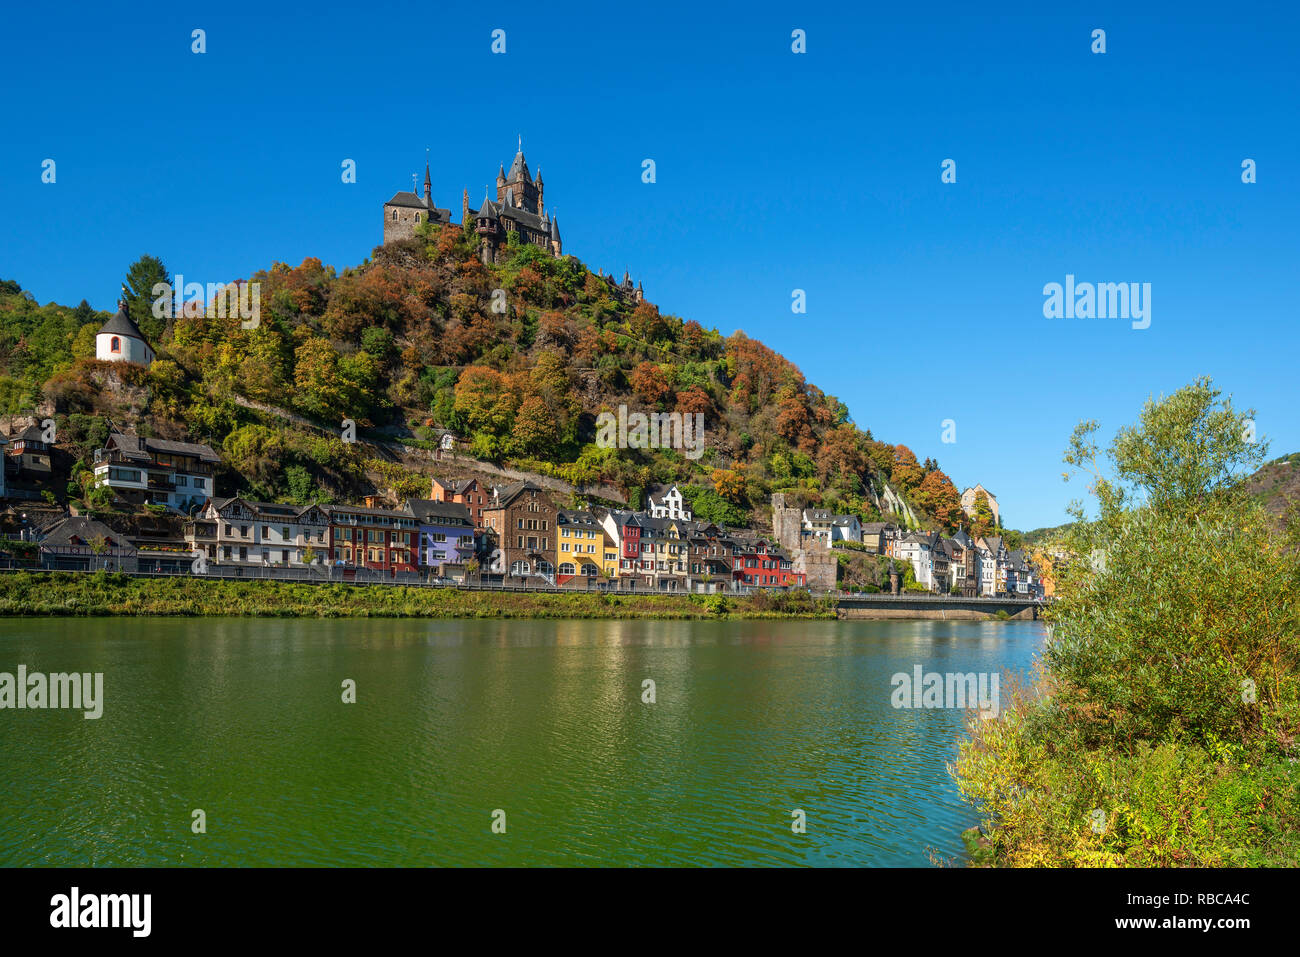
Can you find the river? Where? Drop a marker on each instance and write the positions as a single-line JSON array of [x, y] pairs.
[[543, 721]]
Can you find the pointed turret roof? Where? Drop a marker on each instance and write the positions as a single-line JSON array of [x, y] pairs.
[[122, 324], [518, 169], [487, 210]]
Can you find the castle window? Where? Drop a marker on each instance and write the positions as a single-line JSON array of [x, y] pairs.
[[394, 215], [116, 345], [417, 217]]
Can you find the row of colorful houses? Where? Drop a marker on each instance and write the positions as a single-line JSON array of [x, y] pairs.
[[982, 566], [525, 534], [513, 533]]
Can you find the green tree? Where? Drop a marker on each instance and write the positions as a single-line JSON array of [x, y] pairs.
[[145, 273], [1171, 697]]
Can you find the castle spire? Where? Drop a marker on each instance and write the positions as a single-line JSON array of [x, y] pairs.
[[428, 183]]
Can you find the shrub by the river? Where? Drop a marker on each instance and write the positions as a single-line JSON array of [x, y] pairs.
[[1163, 729]]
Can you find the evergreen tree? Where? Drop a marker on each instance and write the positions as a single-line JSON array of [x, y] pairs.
[[145, 273]]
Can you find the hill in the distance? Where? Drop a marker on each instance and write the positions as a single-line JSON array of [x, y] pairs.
[[1276, 485]]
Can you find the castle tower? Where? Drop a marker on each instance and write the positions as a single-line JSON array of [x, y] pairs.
[[557, 248], [404, 213], [541, 207], [520, 185], [464, 207], [487, 225]]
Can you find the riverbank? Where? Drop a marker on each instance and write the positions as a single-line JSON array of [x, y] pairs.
[[106, 593]]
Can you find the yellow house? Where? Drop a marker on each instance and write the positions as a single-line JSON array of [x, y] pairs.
[[580, 545]]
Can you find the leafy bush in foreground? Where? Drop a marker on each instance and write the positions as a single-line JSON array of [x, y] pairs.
[[1163, 728]]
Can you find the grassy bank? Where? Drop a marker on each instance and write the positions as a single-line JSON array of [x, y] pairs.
[[65, 593]]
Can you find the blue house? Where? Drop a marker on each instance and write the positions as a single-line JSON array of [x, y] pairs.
[[446, 533]]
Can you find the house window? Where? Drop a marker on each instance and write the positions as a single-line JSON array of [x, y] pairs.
[[116, 345]]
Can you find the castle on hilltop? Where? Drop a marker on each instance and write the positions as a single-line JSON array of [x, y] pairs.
[[519, 208]]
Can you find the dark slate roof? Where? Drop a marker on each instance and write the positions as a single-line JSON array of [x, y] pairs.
[[623, 516], [267, 510], [408, 199], [658, 491], [363, 510], [121, 325], [518, 169], [818, 514], [658, 525], [523, 217], [455, 486], [285, 509], [962, 539], [429, 512], [32, 433], [875, 528], [81, 530], [577, 517], [488, 210], [138, 447], [555, 229], [511, 492], [202, 452]]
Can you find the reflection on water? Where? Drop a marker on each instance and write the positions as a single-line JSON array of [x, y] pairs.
[[454, 719]]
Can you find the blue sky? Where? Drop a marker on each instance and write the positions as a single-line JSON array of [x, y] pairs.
[[775, 171]]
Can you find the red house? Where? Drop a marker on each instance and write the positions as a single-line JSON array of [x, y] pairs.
[[762, 564], [467, 492], [382, 539]]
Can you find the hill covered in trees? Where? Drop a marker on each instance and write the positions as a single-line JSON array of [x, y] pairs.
[[413, 341], [1276, 484]]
